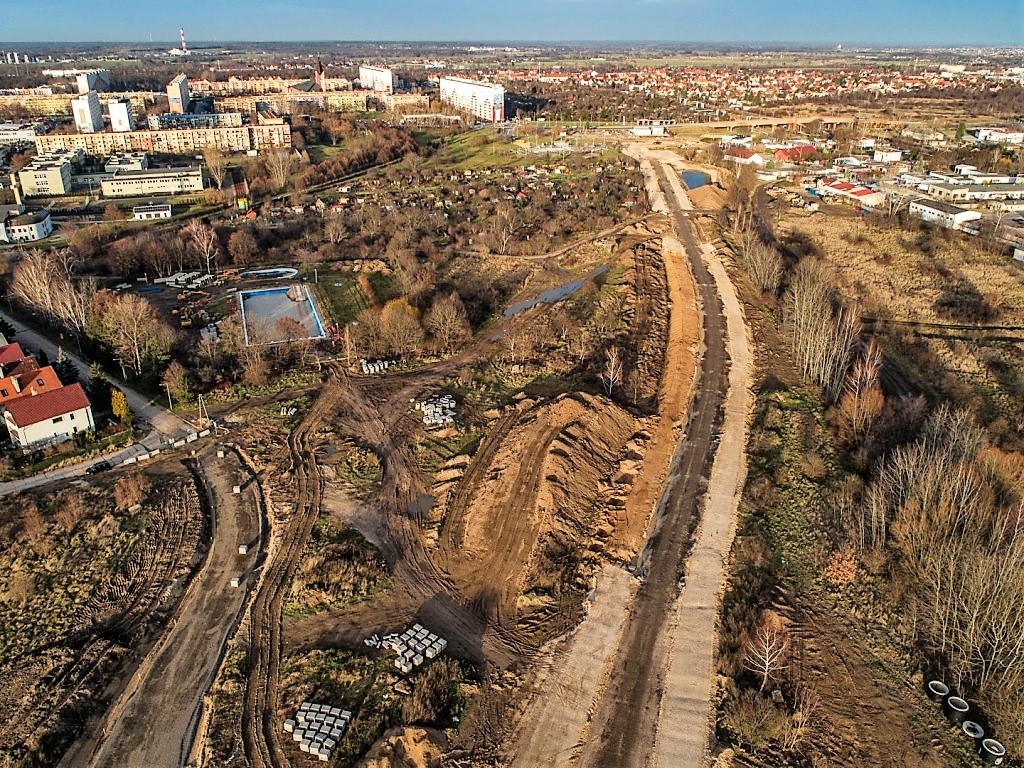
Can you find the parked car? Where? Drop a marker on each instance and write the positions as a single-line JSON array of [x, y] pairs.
[[100, 466]]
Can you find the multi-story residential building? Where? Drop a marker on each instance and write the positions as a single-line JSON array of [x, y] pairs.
[[93, 80], [153, 181], [172, 142], [87, 112], [999, 136], [59, 104], [15, 133], [286, 103], [197, 120], [122, 117], [49, 173], [485, 101], [377, 78], [178, 95], [409, 102]]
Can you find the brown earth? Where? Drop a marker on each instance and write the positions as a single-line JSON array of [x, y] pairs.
[[535, 510], [407, 748]]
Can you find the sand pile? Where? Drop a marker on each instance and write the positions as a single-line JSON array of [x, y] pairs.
[[708, 197], [406, 748]]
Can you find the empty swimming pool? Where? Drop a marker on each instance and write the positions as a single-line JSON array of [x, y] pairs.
[[279, 315]]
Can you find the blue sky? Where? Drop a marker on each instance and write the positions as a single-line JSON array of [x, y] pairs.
[[885, 22]]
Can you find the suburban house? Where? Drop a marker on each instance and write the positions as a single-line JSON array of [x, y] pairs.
[[744, 156], [48, 417], [27, 379], [11, 353]]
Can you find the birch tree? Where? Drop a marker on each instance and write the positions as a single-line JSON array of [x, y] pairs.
[[204, 242], [765, 652]]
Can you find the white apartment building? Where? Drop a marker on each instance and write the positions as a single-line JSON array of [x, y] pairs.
[[122, 116], [377, 78], [486, 101], [178, 95], [198, 120], [949, 216], [172, 142], [153, 181], [92, 80], [87, 112]]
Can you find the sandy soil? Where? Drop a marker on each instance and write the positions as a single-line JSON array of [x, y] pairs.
[[406, 748], [153, 722], [556, 720]]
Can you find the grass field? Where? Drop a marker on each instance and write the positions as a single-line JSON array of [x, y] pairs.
[[343, 295]]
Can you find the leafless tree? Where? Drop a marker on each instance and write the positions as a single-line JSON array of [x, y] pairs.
[[862, 400], [765, 652], [334, 228], [242, 246], [822, 340], [764, 265], [131, 326], [217, 164], [806, 703], [448, 322], [279, 166], [43, 282], [611, 373], [204, 242], [506, 223], [400, 323]]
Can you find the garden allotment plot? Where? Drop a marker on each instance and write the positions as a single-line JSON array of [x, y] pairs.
[[279, 315]]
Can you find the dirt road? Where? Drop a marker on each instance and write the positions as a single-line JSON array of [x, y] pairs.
[[153, 721], [686, 703], [625, 727]]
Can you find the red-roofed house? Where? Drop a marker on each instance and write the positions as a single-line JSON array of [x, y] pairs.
[[26, 381], [795, 154], [48, 417], [11, 353]]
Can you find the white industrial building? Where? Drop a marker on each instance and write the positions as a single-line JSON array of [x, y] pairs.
[[949, 216], [178, 95], [484, 100], [87, 112], [999, 136], [150, 212], [15, 133], [122, 116], [49, 173], [154, 181], [377, 78]]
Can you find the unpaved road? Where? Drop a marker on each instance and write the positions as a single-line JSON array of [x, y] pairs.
[[626, 724], [153, 721], [686, 703]]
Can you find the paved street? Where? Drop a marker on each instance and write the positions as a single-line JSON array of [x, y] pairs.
[[163, 424]]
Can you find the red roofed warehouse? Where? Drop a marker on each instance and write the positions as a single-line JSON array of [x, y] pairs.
[[48, 417]]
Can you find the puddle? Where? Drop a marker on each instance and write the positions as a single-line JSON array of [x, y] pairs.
[[554, 295], [694, 179]]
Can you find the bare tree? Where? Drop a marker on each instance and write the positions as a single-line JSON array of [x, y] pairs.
[[611, 373], [204, 242], [242, 246], [764, 265], [448, 322], [334, 228], [43, 282], [764, 653], [279, 166], [506, 223], [132, 328], [400, 323], [862, 399], [217, 164]]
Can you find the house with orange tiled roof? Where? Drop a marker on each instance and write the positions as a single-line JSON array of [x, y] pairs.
[[27, 380]]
